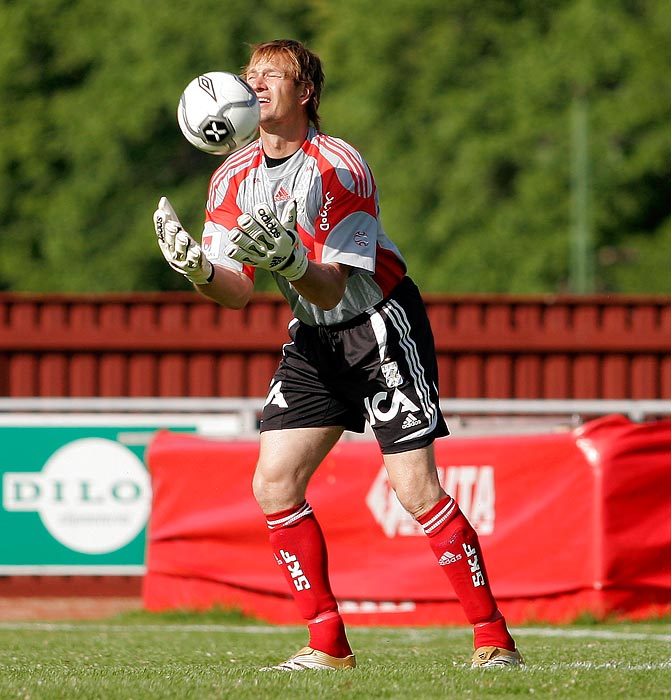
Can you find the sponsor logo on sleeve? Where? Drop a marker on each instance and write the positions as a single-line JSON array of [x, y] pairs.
[[210, 244], [361, 239]]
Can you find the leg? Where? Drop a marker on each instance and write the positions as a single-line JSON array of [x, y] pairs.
[[287, 461], [414, 477]]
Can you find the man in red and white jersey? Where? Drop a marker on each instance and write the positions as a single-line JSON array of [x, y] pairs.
[[304, 206]]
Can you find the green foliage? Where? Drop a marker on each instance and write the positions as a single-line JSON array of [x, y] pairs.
[[463, 110]]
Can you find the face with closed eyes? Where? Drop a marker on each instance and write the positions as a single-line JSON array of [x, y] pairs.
[[282, 98]]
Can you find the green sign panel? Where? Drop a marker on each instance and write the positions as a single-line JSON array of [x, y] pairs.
[[76, 499]]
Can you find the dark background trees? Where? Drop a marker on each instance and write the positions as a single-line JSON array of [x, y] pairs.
[[518, 146]]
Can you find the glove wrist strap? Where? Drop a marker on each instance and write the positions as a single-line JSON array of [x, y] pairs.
[[295, 267], [201, 275]]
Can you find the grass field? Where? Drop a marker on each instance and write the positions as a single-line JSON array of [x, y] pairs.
[[137, 656]]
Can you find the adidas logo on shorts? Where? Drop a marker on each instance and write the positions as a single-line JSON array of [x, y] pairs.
[[410, 422]]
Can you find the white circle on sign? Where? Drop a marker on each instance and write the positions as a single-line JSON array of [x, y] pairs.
[[97, 495]]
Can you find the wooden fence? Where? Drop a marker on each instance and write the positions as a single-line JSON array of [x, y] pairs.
[[179, 344]]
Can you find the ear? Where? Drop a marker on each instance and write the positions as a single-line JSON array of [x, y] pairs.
[[305, 93]]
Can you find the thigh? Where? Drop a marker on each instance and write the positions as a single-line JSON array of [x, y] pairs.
[[414, 478], [287, 461]]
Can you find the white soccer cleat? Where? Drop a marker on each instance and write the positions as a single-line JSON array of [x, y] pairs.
[[495, 657], [308, 658]]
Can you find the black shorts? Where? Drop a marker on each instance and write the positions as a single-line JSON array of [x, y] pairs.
[[380, 367]]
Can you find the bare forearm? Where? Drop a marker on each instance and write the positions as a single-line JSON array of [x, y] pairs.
[[323, 284], [228, 288]]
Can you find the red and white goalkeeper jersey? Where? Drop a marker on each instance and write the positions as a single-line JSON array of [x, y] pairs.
[[337, 213]]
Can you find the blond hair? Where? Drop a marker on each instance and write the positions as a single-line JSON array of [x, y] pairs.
[[305, 67]]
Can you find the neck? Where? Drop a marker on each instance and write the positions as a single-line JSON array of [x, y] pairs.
[[282, 142]]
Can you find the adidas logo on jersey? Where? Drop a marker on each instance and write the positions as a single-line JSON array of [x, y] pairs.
[[282, 195], [410, 422]]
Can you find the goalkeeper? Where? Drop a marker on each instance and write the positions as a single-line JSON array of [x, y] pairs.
[[304, 205]]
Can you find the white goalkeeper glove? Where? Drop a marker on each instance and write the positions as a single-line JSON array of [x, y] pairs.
[[181, 251], [262, 241]]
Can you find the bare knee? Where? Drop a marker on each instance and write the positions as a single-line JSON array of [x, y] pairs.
[[276, 490], [418, 502], [287, 461], [414, 478]]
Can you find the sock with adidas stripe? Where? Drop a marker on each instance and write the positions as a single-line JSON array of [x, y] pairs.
[[457, 548], [300, 549]]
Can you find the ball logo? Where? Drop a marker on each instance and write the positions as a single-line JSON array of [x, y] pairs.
[[93, 495], [216, 130], [206, 84]]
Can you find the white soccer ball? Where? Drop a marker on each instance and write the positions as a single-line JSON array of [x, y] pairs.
[[218, 113]]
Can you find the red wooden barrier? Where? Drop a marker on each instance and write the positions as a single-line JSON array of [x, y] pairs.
[[179, 344], [606, 482]]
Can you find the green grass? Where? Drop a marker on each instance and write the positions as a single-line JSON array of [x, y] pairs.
[[184, 656]]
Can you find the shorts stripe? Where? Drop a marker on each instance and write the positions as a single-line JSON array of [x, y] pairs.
[[397, 316], [380, 330]]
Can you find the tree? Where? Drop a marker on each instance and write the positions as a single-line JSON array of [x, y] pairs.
[[90, 139], [463, 110], [473, 106]]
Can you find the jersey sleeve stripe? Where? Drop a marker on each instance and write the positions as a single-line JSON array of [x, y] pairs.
[[363, 182], [356, 168], [234, 164]]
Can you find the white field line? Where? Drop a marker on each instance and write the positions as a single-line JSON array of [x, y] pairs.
[[413, 632], [97, 627], [590, 634], [609, 665]]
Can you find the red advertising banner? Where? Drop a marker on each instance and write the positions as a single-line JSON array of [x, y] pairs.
[[571, 522]]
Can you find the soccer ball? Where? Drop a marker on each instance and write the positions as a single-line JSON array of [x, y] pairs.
[[218, 113]]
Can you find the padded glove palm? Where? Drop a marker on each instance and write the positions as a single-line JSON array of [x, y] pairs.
[[179, 249]]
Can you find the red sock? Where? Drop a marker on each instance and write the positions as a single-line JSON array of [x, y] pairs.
[[300, 549], [457, 548]]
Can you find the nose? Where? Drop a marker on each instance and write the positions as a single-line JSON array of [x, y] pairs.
[[257, 82]]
